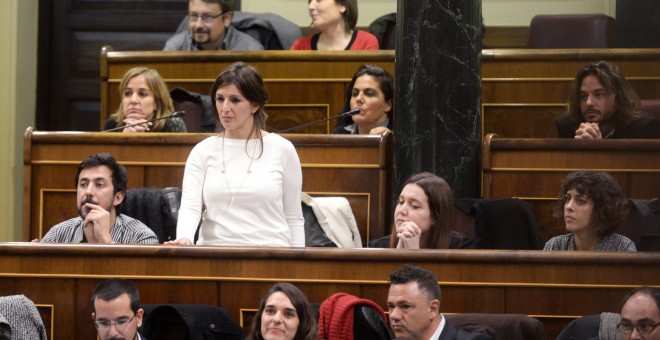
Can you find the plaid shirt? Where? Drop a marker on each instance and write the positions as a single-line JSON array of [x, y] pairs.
[[126, 230]]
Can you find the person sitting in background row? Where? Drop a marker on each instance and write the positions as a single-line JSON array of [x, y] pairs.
[[371, 91], [591, 207], [100, 189], [144, 97], [423, 217], [336, 19], [210, 29], [602, 104]]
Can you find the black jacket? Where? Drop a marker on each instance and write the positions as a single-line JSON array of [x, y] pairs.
[[646, 127]]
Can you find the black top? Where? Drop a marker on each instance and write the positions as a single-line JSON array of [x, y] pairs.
[[340, 129], [645, 127], [457, 241]]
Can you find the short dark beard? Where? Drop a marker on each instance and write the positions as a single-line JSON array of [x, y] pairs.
[[89, 200]]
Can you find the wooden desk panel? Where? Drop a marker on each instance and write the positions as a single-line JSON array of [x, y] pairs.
[[356, 167], [293, 78], [533, 169], [552, 286], [515, 82]]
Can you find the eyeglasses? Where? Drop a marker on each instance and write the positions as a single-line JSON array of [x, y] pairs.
[[644, 327], [206, 18], [105, 325]]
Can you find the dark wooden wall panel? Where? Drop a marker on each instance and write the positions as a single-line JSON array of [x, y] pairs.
[[523, 91], [51, 159], [533, 170], [71, 33]]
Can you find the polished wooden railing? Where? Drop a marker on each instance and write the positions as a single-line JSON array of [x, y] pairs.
[[554, 287], [356, 167], [533, 169], [523, 90]]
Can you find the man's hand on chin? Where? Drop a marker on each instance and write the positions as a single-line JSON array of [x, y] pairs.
[[97, 225]]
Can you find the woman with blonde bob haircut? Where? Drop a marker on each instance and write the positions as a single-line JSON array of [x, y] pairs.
[[144, 97]]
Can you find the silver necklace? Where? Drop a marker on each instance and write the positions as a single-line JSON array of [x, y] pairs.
[[248, 172]]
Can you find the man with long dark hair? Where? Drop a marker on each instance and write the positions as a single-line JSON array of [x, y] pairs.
[[602, 104]]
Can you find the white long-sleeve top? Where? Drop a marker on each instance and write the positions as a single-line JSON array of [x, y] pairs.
[[237, 208]]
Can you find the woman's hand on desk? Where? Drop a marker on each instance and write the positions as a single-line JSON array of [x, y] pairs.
[[179, 242], [137, 128]]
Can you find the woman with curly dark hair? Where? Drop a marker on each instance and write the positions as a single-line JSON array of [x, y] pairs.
[[591, 206]]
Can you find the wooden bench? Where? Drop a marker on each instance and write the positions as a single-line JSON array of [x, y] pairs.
[[555, 287], [303, 86], [356, 167], [523, 90], [533, 169]]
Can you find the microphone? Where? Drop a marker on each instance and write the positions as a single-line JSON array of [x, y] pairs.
[[347, 113], [173, 115]]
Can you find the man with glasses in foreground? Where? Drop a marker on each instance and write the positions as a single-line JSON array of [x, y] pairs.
[[602, 104], [209, 28], [640, 314], [117, 313]]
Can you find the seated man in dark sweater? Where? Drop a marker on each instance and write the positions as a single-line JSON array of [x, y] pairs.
[[602, 104]]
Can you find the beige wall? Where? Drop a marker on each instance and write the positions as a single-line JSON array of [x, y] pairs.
[[495, 12], [18, 55]]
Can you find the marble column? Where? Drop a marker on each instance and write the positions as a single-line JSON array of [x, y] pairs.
[[437, 110]]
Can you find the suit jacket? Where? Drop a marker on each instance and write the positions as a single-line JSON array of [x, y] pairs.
[[450, 333], [592, 327], [642, 225], [506, 223], [336, 218], [200, 322], [646, 127], [499, 326], [271, 30], [20, 319]]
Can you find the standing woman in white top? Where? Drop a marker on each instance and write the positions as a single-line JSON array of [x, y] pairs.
[[244, 183]]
